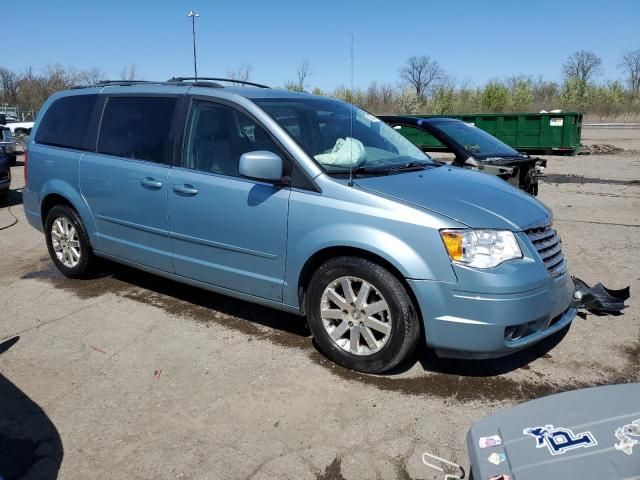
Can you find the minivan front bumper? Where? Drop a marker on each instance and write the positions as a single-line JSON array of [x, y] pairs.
[[465, 323]]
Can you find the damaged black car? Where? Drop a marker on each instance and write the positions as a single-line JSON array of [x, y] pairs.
[[473, 148]]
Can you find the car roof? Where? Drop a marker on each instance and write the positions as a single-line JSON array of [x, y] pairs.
[[201, 87], [253, 92]]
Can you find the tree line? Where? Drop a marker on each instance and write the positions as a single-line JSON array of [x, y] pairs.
[[28, 89], [423, 87]]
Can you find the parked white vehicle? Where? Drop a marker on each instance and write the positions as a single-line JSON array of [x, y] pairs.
[[20, 128]]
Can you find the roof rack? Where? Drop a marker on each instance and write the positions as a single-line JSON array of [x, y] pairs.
[[199, 82], [121, 83], [215, 79], [124, 83]]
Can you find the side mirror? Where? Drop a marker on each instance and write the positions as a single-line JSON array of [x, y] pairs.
[[261, 165]]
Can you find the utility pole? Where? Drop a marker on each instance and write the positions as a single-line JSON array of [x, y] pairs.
[[193, 14]]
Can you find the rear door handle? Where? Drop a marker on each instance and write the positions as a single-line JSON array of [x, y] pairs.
[[185, 189], [150, 182]]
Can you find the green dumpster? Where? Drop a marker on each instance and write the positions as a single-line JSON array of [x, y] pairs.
[[542, 133]]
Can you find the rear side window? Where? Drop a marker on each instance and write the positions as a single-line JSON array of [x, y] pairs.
[[137, 128], [65, 122]]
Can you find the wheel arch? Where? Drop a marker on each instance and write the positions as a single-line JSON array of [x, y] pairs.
[[50, 201], [321, 256], [58, 193]]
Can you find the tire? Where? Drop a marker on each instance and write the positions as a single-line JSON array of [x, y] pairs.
[[84, 266], [12, 161], [4, 197], [377, 351]]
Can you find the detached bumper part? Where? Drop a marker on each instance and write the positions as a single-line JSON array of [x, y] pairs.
[[599, 298]]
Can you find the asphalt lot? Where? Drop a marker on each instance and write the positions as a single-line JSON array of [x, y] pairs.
[[133, 376]]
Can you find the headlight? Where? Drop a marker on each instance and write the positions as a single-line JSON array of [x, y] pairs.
[[481, 248]]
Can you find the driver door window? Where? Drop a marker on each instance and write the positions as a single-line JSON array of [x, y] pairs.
[[218, 135]]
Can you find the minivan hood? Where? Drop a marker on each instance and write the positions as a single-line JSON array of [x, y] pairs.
[[478, 200]]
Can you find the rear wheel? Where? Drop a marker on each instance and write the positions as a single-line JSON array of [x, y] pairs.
[[361, 315], [68, 242]]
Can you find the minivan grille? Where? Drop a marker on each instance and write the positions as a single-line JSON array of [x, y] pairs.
[[549, 246]]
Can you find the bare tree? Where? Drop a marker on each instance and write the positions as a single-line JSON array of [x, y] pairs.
[[291, 86], [128, 72], [243, 74], [422, 74], [582, 65], [630, 65], [303, 71], [92, 76], [9, 86]]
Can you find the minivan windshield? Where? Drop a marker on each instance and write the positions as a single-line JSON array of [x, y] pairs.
[[477, 142], [340, 136]]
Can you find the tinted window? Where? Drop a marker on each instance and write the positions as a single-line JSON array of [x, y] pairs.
[[475, 141], [5, 135], [65, 122], [218, 135], [137, 128]]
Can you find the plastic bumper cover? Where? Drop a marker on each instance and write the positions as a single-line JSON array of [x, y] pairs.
[[31, 203], [461, 324]]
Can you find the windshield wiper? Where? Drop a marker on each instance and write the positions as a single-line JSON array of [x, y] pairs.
[[402, 167], [408, 166]]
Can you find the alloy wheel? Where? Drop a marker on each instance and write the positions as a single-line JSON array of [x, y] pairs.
[[355, 315], [65, 242]]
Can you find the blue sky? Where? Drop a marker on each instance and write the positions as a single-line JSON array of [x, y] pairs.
[[472, 40]]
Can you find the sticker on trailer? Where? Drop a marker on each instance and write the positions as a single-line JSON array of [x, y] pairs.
[[628, 436], [491, 441], [559, 440], [556, 122]]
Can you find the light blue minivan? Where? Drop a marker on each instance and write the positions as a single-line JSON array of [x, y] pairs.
[[302, 203]]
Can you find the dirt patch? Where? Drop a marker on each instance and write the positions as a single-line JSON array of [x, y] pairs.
[[560, 178], [458, 388], [633, 355], [456, 380], [332, 471], [253, 320], [102, 283], [465, 389], [182, 301], [599, 149]]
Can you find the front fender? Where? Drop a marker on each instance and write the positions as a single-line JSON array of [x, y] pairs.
[[401, 237]]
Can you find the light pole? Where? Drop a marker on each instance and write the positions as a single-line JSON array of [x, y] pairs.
[[193, 14]]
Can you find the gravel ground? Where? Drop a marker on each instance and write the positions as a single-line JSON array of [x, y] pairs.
[[133, 376]]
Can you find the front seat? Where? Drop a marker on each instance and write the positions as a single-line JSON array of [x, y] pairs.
[[214, 150]]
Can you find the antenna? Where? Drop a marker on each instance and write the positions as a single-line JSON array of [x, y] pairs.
[[351, 120]]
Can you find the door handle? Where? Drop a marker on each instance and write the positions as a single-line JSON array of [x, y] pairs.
[[150, 182], [185, 189]]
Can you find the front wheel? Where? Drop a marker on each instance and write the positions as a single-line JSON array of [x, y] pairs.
[[361, 315], [68, 242]]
